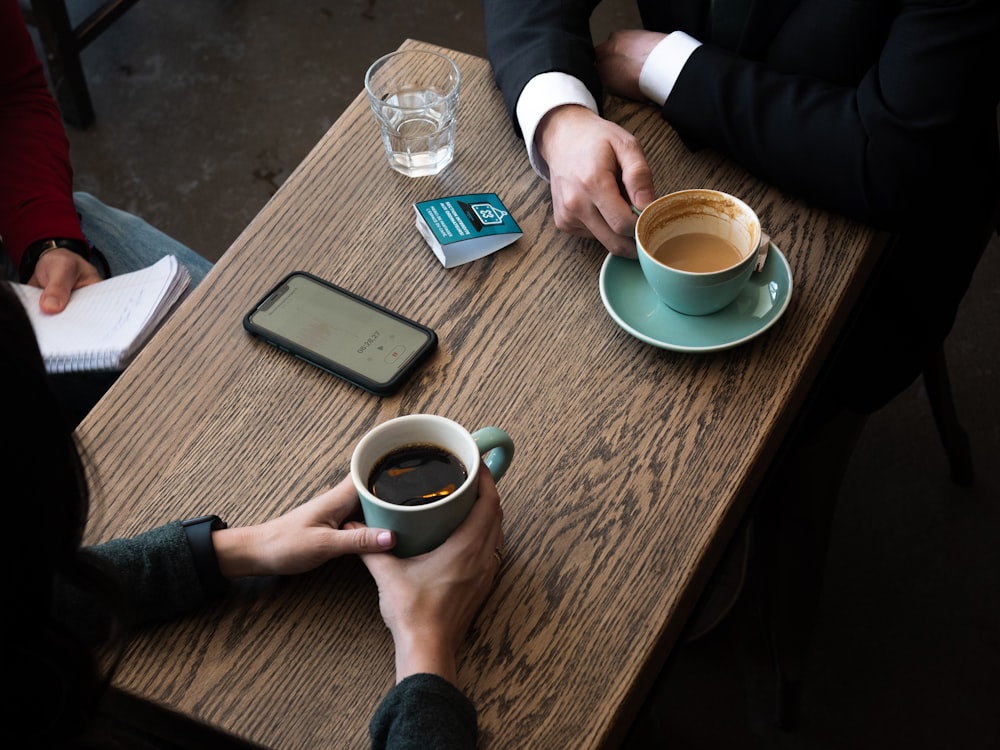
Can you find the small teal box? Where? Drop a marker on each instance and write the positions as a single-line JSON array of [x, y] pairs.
[[463, 228]]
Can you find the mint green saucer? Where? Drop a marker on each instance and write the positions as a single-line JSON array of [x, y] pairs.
[[635, 307]]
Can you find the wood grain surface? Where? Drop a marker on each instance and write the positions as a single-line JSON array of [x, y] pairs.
[[633, 464]]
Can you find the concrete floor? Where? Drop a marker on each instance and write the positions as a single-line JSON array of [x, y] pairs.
[[204, 108]]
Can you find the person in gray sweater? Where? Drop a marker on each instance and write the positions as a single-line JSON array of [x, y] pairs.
[[73, 605]]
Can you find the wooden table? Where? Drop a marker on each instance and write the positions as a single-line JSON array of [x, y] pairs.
[[633, 464]]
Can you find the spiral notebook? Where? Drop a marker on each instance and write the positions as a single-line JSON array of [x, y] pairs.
[[105, 324]]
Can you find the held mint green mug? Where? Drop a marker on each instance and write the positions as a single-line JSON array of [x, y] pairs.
[[422, 527]]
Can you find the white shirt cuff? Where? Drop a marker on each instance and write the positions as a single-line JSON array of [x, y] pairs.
[[541, 95], [660, 71]]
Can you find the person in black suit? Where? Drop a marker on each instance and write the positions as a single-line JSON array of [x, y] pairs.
[[884, 111]]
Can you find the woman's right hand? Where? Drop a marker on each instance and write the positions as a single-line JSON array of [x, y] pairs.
[[429, 601]]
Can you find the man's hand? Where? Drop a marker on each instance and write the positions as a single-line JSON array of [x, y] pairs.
[[58, 273], [596, 169], [620, 60]]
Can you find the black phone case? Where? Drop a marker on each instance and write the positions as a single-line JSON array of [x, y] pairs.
[[336, 368]]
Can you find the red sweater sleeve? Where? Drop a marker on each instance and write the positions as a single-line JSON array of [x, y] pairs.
[[36, 178]]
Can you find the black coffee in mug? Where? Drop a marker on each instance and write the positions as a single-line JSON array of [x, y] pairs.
[[416, 475]]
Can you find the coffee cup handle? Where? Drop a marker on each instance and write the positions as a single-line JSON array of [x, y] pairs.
[[496, 448], [763, 247]]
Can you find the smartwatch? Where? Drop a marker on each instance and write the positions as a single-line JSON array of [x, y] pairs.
[[199, 536], [35, 251]]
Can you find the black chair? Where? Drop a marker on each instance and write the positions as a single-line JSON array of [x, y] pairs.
[[63, 42], [938, 385], [950, 430], [956, 444]]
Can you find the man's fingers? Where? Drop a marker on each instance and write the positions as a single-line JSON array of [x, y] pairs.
[[637, 179], [602, 214]]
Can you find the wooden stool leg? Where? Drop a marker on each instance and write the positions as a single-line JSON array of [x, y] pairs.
[[953, 437]]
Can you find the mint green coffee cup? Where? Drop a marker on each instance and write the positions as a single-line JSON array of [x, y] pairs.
[[422, 527], [697, 249]]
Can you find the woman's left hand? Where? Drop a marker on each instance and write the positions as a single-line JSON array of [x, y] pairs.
[[300, 540]]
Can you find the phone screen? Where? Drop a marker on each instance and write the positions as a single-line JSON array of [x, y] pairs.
[[340, 332]]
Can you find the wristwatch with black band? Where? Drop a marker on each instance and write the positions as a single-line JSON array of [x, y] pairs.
[[199, 535], [36, 250]]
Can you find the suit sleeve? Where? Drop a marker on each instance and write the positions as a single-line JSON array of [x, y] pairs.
[[872, 115], [529, 37], [154, 574]]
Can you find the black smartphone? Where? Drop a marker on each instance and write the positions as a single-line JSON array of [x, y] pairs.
[[336, 330]]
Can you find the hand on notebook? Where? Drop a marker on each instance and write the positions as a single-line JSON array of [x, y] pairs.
[[107, 322], [58, 272]]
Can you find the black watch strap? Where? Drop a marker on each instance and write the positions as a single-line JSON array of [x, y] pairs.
[[199, 535], [35, 251]]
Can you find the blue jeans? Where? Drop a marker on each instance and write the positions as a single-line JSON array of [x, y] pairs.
[[129, 243]]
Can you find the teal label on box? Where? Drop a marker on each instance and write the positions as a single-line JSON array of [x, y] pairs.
[[462, 228], [462, 217]]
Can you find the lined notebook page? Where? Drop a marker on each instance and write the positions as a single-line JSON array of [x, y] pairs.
[[105, 324]]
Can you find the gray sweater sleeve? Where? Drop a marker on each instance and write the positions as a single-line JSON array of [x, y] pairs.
[[155, 572], [424, 711], [157, 576]]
